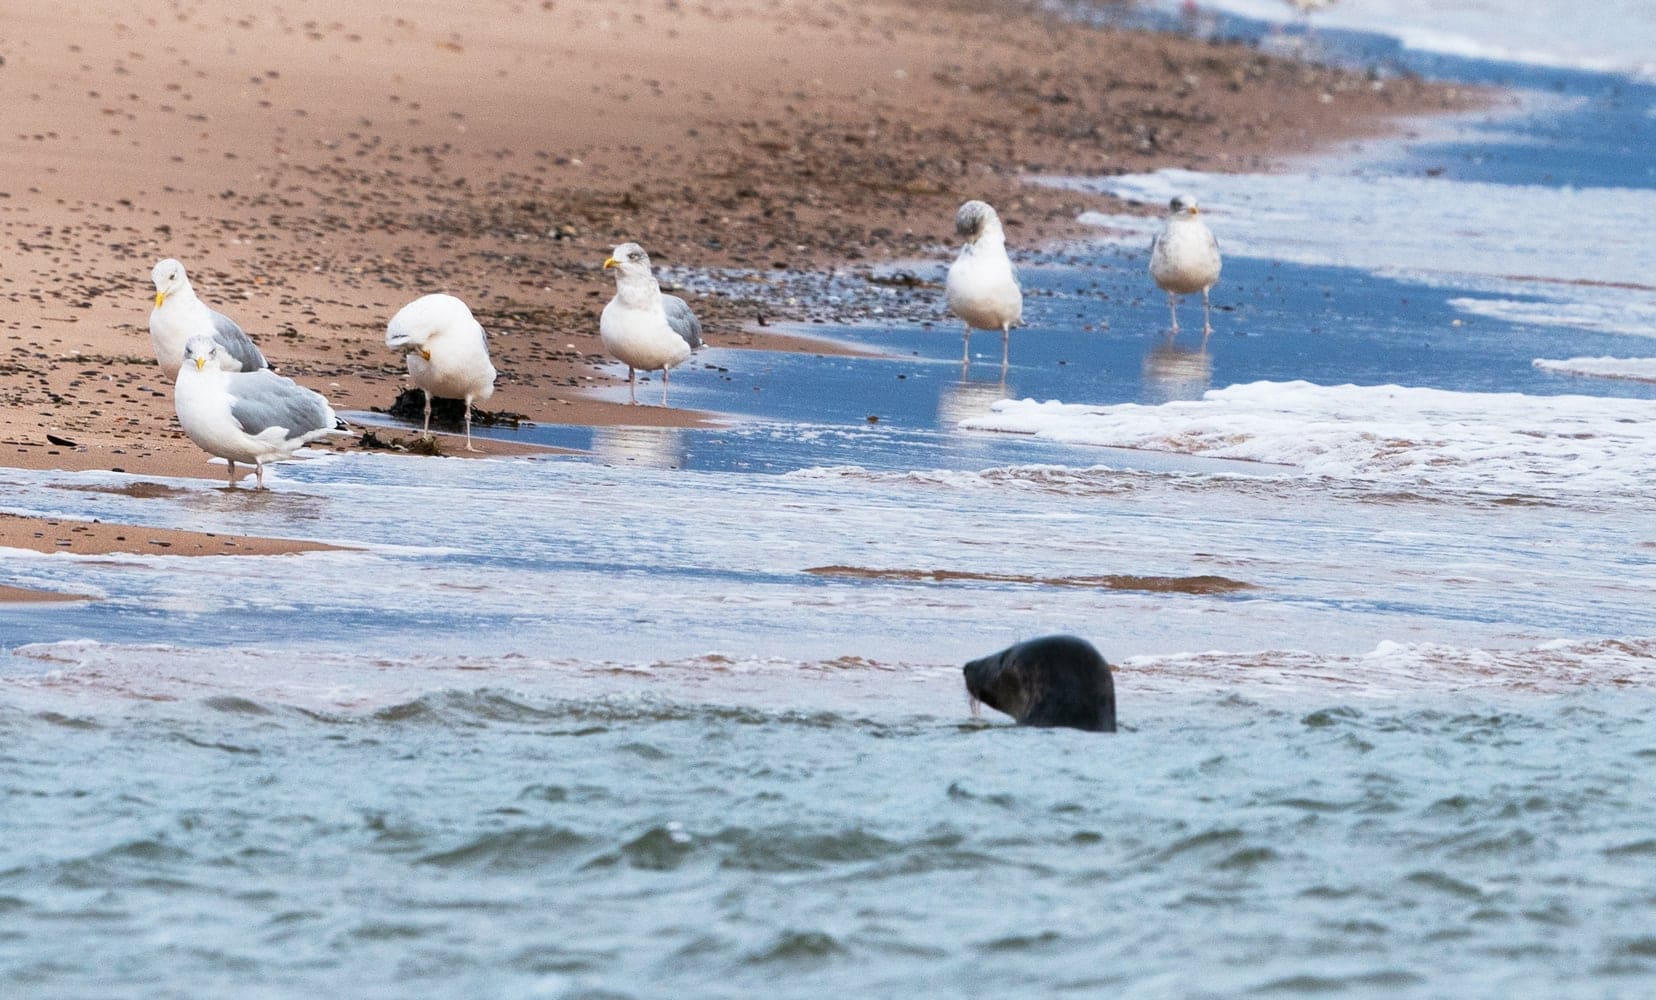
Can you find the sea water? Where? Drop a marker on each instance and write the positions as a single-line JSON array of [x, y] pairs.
[[683, 715]]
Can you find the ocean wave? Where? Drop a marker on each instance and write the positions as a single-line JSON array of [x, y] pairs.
[[1630, 369], [1606, 36], [1393, 668], [1430, 438]]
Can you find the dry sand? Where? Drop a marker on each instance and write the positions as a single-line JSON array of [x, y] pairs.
[[317, 165]]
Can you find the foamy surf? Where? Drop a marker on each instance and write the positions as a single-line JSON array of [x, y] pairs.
[[1608, 36], [1428, 438], [1627, 369]]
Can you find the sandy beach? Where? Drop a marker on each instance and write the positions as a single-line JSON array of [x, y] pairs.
[[317, 167], [671, 701]]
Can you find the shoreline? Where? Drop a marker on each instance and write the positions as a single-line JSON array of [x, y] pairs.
[[763, 141]]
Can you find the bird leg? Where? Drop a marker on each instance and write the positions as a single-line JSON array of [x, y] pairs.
[[632, 387], [232, 474], [1006, 347], [966, 347], [1207, 327], [664, 385], [426, 431], [258, 475], [1173, 310], [468, 425]]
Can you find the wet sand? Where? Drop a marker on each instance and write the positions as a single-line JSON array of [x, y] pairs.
[[19, 595], [97, 538], [1206, 584], [318, 166]]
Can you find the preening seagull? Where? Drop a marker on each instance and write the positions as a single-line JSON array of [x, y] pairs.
[[179, 315], [446, 350], [983, 286], [250, 417], [1184, 259], [643, 327]]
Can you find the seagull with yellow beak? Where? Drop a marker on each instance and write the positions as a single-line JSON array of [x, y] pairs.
[[642, 327], [446, 350], [250, 417], [179, 315], [1184, 259]]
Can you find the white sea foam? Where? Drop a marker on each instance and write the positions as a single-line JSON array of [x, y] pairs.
[[1426, 437], [1629, 369], [1571, 254], [1394, 668], [1616, 36]]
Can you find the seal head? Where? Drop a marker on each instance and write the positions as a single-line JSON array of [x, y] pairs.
[[1057, 680]]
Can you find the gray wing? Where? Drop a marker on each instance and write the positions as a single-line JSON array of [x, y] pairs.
[[236, 342], [263, 400], [682, 320]]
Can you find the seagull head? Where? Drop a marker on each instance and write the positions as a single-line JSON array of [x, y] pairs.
[[1183, 206], [630, 259], [973, 219], [169, 278], [200, 352]]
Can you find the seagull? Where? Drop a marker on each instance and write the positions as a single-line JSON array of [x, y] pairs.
[[252, 417], [1305, 7], [1184, 259], [983, 286], [641, 326], [179, 315], [446, 350]]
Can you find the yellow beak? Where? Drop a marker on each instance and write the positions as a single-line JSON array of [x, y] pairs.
[[200, 363], [425, 354], [610, 262], [159, 298]]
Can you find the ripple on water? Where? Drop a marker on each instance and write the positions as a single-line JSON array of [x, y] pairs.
[[520, 849], [796, 947]]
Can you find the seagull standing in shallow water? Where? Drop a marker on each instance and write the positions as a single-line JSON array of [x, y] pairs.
[[983, 286], [179, 315], [252, 417], [643, 327], [446, 350], [1184, 259]]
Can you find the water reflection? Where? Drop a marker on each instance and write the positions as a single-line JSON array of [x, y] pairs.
[[1173, 373], [963, 399], [649, 447]]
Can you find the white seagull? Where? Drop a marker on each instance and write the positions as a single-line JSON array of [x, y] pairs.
[[1184, 259], [446, 350], [179, 315], [643, 327], [251, 417], [983, 286]]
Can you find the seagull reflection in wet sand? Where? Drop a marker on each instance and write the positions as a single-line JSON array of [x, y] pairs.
[[1173, 373]]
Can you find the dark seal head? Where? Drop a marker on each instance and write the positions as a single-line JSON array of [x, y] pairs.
[[1057, 680]]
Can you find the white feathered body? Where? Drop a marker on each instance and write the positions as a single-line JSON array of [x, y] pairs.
[[982, 288], [634, 327], [204, 400], [443, 326], [183, 315], [1185, 259]]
